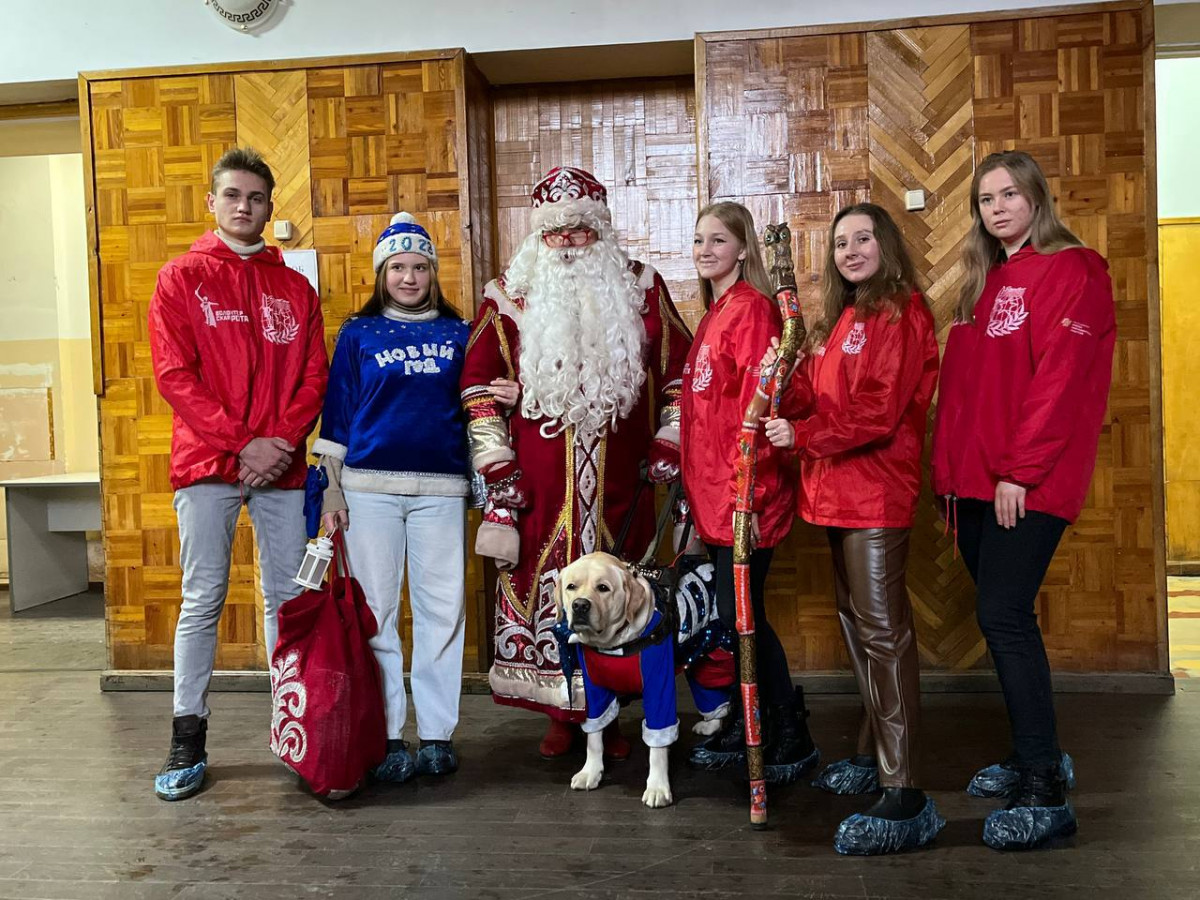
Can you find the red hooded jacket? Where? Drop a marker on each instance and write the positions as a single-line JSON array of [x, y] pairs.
[[239, 352], [1024, 387], [719, 380], [862, 401]]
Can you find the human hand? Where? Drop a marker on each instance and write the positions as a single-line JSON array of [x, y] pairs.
[[1010, 504], [264, 459], [506, 392], [339, 518], [779, 432]]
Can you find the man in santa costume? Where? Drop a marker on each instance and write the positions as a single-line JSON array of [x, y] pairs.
[[571, 385]]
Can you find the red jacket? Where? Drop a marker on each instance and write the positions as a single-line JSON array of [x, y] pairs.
[[719, 381], [239, 352], [1025, 386], [863, 400]]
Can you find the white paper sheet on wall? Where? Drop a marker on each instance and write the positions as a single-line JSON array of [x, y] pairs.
[[304, 262]]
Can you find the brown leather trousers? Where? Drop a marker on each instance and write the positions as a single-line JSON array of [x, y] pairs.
[[877, 623]]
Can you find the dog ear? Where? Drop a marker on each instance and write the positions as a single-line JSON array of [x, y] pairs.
[[560, 612], [634, 593]]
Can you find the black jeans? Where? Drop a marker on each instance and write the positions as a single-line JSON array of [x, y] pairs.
[[774, 677], [1008, 565]]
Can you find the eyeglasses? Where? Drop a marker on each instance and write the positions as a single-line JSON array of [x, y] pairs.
[[568, 238]]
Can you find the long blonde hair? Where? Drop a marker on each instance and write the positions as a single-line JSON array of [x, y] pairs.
[[982, 251], [890, 288], [740, 223]]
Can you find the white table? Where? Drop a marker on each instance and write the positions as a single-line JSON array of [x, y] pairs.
[[47, 547]]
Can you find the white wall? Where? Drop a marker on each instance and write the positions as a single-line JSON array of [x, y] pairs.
[[41, 42], [1177, 93]]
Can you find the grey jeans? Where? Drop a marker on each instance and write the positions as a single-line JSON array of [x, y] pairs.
[[208, 514]]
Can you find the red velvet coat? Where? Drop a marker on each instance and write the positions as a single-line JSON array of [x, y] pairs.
[[1024, 387], [719, 382], [239, 352], [860, 405]]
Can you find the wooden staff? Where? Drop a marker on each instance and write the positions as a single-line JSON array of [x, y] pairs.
[[778, 239]]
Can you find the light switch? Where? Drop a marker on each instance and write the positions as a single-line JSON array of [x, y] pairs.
[[913, 200], [283, 230]]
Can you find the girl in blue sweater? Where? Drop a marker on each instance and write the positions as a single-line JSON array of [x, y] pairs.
[[393, 443]]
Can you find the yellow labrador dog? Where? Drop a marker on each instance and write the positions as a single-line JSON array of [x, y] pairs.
[[625, 647]]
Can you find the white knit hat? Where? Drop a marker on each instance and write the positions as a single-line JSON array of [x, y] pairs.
[[404, 235]]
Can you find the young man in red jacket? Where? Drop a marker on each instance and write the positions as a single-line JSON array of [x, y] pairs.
[[238, 346]]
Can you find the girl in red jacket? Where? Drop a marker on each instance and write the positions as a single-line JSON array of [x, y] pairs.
[[1023, 393], [719, 380], [858, 407]]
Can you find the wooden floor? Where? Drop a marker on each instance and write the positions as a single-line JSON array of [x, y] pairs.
[[78, 818]]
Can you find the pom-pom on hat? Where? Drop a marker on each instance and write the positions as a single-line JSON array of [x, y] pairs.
[[565, 192], [404, 235]]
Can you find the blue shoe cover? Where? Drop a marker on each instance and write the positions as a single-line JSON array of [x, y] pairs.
[[703, 758], [397, 767], [861, 835], [436, 759], [786, 774], [1000, 780], [180, 784], [844, 777], [1027, 827]]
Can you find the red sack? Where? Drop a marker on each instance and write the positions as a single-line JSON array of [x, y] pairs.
[[328, 723]]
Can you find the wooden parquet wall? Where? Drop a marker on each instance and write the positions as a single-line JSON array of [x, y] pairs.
[[637, 137], [799, 125], [350, 145]]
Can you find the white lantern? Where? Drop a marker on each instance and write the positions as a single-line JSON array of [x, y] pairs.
[[317, 556]]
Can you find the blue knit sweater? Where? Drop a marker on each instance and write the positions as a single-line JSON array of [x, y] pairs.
[[392, 411]]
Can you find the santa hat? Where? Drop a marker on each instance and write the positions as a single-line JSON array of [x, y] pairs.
[[404, 235], [567, 193]]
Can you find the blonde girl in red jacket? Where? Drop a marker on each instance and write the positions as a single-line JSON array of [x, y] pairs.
[[719, 380], [856, 415], [1024, 388]]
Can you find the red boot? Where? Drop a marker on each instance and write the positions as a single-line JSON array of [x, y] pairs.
[[616, 747], [560, 736]]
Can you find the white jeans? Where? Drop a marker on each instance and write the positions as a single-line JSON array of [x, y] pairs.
[[208, 514], [432, 531]]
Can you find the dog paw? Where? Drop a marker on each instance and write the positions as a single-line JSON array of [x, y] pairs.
[[586, 779], [657, 797], [707, 727]]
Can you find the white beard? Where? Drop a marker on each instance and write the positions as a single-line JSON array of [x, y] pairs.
[[582, 335]]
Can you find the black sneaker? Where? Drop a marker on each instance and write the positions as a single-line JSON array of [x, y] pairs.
[[725, 748], [183, 772], [1037, 813], [788, 749]]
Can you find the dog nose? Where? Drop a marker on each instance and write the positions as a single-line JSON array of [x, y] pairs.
[[581, 605]]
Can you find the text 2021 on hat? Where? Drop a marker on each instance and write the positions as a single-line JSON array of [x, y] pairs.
[[404, 235]]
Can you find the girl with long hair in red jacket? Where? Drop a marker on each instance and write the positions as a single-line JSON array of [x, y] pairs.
[[856, 415], [1024, 387], [719, 380]]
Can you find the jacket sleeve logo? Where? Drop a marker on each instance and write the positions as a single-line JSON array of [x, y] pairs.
[[703, 377], [1009, 313], [855, 340], [279, 325]]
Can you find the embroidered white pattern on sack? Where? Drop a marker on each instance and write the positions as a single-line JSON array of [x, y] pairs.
[[855, 340], [279, 325], [1077, 327], [704, 374], [1009, 313], [289, 699]]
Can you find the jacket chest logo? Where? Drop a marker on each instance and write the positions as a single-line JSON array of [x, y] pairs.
[[1009, 313], [855, 340], [214, 314], [703, 374], [279, 325]]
